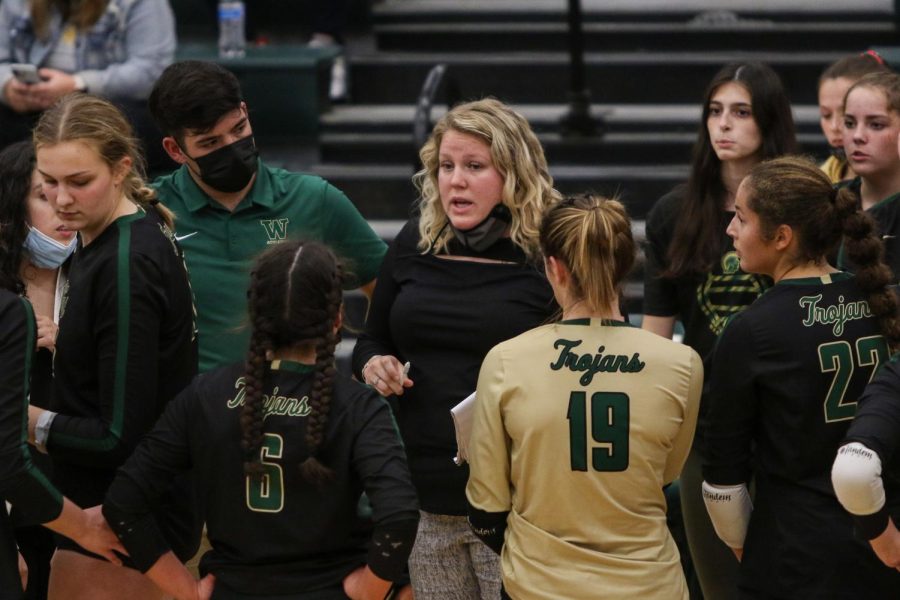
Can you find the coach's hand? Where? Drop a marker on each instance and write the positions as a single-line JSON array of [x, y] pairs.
[[385, 373]]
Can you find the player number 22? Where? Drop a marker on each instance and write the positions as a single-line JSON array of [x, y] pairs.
[[609, 430], [838, 357], [265, 493]]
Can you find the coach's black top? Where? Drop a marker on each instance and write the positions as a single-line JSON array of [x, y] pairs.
[[877, 426], [21, 483], [277, 534], [887, 215], [703, 302], [786, 375], [126, 346], [443, 315]]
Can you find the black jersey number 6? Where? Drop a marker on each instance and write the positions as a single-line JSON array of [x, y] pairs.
[[265, 493], [838, 357], [609, 430]]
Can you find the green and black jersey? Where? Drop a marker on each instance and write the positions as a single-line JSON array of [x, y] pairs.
[[126, 346], [887, 215], [21, 483], [786, 376], [275, 534]]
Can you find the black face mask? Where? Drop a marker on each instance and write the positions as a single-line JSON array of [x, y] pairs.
[[230, 168], [485, 234]]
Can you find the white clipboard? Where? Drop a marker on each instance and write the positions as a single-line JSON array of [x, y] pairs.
[[463, 414]]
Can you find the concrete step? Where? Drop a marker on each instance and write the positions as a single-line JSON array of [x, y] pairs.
[[418, 11], [612, 77], [612, 148], [552, 35], [619, 118]]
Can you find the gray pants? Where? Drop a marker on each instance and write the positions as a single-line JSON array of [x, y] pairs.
[[715, 564], [449, 563]]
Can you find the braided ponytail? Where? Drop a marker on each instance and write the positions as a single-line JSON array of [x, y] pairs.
[[256, 369], [866, 251]]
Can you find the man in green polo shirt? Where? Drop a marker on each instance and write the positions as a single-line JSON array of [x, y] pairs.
[[229, 205]]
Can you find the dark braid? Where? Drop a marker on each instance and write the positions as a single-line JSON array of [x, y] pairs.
[[320, 397], [255, 371], [866, 251], [793, 191], [294, 301]]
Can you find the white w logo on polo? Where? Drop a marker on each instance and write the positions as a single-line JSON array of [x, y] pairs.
[[276, 229]]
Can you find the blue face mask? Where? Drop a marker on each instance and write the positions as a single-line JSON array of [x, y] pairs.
[[45, 252]]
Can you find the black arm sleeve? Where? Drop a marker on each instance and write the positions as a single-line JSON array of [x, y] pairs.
[[21, 483], [142, 480], [733, 407], [380, 462], [132, 305], [490, 527], [660, 294], [376, 339]]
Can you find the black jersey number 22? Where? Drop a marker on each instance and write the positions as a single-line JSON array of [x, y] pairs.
[[609, 430], [838, 357]]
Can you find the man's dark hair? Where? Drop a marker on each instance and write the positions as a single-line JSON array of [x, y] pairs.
[[192, 95]]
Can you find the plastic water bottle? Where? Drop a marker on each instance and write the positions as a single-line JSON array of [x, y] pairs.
[[232, 41]]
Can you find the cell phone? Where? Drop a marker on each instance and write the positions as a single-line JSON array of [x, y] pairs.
[[25, 73]]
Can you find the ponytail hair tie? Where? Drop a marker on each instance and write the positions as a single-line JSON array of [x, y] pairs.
[[874, 56]]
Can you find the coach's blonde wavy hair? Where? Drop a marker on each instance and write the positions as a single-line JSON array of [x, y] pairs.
[[591, 236], [96, 122], [515, 152]]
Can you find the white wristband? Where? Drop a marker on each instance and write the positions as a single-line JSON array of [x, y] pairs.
[[42, 430], [729, 510], [856, 476]]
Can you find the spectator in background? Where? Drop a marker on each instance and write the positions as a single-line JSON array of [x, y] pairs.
[[111, 48], [834, 83], [871, 131], [230, 206]]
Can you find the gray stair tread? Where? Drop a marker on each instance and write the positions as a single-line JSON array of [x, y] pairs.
[[649, 113], [502, 27], [636, 6], [716, 57]]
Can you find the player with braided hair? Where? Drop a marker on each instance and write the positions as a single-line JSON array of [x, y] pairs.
[[786, 375], [282, 448]]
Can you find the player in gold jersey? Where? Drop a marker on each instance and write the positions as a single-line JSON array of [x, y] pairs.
[[579, 425]]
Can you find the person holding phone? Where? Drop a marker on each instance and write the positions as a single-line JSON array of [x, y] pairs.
[[111, 48]]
